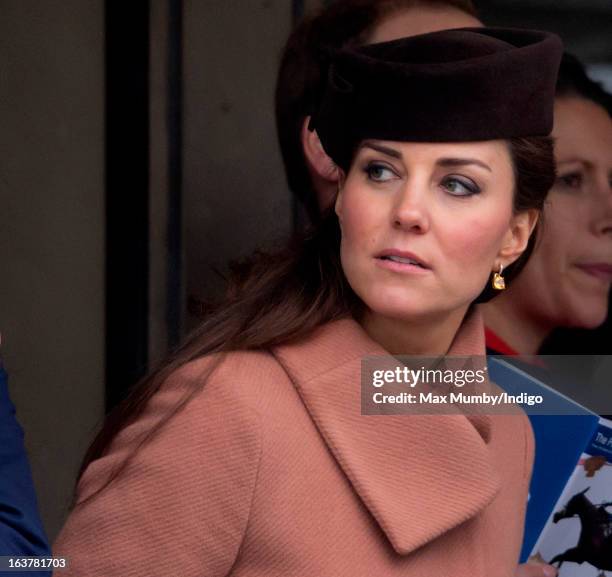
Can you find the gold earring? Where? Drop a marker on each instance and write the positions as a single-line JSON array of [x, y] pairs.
[[498, 282]]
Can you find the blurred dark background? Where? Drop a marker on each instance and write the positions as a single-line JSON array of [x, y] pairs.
[[138, 156]]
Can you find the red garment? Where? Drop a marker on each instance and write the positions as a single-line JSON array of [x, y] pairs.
[[497, 344]]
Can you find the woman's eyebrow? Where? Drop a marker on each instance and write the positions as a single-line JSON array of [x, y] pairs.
[[380, 148], [462, 162], [574, 160]]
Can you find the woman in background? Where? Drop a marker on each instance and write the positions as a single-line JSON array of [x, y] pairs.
[[567, 280], [247, 454]]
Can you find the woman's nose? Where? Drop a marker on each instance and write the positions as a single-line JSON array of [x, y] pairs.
[[410, 211]]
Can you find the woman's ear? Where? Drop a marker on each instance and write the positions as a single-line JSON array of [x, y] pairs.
[[318, 161], [517, 237], [339, 197]]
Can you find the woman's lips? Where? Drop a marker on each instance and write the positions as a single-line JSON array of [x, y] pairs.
[[602, 271], [402, 262]]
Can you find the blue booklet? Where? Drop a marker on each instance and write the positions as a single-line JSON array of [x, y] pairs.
[[569, 513]]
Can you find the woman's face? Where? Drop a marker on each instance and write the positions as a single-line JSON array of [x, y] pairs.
[[567, 280], [423, 225]]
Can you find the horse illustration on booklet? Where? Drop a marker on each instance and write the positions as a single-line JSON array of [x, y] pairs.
[[595, 542]]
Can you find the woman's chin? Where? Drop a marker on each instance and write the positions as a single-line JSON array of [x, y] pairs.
[[592, 321], [586, 316], [411, 309]]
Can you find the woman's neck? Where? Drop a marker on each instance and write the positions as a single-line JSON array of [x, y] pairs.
[[523, 332], [424, 337]]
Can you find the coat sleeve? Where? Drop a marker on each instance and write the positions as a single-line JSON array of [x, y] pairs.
[[180, 505], [21, 531]]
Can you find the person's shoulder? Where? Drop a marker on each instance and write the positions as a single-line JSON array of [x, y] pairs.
[[241, 379], [263, 383], [204, 407], [4, 397], [235, 366], [240, 373], [188, 465]]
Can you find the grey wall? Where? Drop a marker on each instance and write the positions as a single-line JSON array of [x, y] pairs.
[[158, 181], [52, 196], [235, 195], [52, 232]]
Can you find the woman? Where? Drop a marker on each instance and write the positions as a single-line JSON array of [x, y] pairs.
[[248, 455], [567, 280]]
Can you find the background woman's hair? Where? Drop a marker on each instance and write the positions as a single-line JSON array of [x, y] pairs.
[[282, 297], [344, 23], [574, 81]]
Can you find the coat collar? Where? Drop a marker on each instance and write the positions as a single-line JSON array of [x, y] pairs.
[[420, 475]]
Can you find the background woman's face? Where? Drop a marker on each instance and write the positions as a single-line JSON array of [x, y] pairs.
[[423, 225], [567, 280]]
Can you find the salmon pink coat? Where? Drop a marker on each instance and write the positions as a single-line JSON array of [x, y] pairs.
[[271, 470]]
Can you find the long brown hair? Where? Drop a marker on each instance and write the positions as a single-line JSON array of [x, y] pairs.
[[272, 299], [281, 297]]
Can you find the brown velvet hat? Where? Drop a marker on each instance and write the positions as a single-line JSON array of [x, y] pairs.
[[466, 84]]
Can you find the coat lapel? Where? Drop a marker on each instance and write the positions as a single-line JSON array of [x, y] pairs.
[[419, 475]]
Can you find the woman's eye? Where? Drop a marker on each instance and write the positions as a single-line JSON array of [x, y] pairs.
[[379, 172], [571, 180], [460, 186]]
